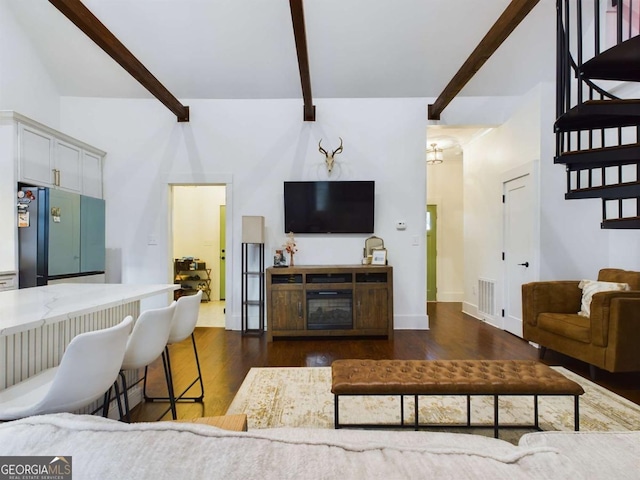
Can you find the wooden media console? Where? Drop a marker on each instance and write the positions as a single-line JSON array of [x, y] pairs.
[[330, 300]]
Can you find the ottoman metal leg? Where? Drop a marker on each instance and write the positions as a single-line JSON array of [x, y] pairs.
[[495, 416]]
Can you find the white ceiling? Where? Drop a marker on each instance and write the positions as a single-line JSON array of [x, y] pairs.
[[246, 49], [454, 138]]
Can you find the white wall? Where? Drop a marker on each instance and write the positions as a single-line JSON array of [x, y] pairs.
[[570, 243], [8, 190], [444, 189], [25, 85], [257, 145], [486, 161]]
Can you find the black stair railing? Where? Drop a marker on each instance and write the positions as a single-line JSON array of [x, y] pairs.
[[627, 19], [597, 128]]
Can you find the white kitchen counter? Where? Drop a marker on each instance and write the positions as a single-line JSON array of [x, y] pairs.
[[37, 324], [28, 308]]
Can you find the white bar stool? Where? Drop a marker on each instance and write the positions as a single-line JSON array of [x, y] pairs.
[[184, 322], [88, 368], [145, 344]]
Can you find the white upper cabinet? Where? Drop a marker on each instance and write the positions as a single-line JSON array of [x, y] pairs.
[[91, 174], [68, 162], [35, 151], [48, 158]]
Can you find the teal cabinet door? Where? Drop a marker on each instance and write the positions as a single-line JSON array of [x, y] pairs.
[[64, 233], [92, 234]]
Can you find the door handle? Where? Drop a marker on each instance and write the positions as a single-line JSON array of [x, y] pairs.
[[525, 264]]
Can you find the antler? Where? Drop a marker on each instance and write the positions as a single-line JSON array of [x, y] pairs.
[[322, 150], [329, 157], [339, 149]]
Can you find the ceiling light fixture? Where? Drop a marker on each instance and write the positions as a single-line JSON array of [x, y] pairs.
[[434, 155]]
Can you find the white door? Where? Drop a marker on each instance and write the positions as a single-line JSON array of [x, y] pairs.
[[518, 253]]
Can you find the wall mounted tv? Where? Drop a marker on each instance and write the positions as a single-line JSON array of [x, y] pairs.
[[329, 207]]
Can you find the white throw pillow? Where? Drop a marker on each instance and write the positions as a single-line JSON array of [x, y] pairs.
[[591, 287]]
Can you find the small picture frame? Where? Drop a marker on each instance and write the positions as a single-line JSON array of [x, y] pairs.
[[279, 259], [379, 256]]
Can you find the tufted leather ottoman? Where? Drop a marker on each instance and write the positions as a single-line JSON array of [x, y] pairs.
[[449, 377]]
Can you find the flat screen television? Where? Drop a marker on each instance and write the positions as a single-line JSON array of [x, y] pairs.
[[329, 207]]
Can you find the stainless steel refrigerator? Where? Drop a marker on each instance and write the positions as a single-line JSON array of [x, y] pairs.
[[60, 235]]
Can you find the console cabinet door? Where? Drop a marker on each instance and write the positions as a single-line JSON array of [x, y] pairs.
[[287, 309], [371, 306]]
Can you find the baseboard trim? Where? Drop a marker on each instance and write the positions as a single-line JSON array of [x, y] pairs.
[[411, 322], [450, 297], [471, 309]]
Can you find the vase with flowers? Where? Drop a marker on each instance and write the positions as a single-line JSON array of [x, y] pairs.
[[290, 247]]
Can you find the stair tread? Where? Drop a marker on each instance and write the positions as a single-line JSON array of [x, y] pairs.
[[600, 157], [607, 187], [608, 192], [620, 62], [611, 148], [621, 223], [600, 114]]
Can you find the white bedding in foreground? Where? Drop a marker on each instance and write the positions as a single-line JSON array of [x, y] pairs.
[[106, 449]]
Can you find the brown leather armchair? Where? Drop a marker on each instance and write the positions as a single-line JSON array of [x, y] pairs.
[[608, 339]]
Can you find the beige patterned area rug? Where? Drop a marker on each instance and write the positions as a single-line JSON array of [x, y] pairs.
[[301, 397]]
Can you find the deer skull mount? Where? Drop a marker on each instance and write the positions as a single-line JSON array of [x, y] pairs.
[[329, 157]]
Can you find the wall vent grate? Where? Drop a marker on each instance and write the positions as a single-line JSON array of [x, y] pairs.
[[487, 296]]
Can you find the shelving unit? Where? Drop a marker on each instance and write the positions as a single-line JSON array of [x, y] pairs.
[[253, 287], [192, 276]]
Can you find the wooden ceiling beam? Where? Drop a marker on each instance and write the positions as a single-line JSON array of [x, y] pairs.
[[299, 32], [515, 12], [86, 21]]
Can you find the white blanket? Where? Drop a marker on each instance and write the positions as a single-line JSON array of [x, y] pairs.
[[106, 449]]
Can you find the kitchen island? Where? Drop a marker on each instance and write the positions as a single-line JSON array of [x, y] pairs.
[[37, 324]]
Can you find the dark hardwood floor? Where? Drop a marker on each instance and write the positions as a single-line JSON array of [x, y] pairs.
[[227, 356]]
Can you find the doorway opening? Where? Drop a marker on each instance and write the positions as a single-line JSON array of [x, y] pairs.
[[432, 288], [198, 253]]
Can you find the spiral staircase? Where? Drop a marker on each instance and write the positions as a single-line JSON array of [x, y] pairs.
[[597, 119]]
